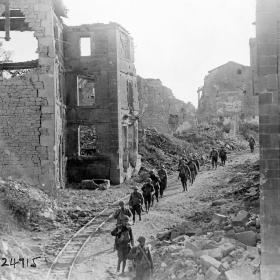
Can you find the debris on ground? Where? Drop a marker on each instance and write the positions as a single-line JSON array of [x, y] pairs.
[[29, 205], [157, 148], [224, 243]]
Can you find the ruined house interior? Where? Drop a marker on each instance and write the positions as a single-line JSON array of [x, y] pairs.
[[72, 113]]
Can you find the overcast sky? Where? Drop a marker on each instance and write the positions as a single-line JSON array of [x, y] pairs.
[[176, 41]]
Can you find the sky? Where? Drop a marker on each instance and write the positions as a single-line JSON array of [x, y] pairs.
[[176, 41]]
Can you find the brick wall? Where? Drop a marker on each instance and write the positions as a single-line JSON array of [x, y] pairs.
[[33, 103], [267, 40]]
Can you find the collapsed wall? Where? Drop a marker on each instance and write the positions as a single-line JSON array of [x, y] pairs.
[[227, 95], [160, 109], [31, 101]]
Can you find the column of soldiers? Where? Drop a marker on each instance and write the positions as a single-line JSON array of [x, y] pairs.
[[152, 190]]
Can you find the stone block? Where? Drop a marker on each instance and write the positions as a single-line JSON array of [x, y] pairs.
[[208, 261], [226, 248], [219, 217], [191, 246], [212, 274], [241, 218], [241, 273], [214, 253], [248, 238]]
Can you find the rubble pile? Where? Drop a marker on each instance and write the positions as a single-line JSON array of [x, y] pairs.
[[207, 257], [203, 137], [156, 148], [220, 240], [30, 205]]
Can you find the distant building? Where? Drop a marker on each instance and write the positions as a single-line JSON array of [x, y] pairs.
[[227, 94]]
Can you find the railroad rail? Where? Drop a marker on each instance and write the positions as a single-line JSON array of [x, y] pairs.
[[64, 263]]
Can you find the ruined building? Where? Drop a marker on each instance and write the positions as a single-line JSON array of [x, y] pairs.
[[266, 69], [228, 94], [72, 113], [160, 109]]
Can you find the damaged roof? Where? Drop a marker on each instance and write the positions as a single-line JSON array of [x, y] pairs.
[[60, 8]]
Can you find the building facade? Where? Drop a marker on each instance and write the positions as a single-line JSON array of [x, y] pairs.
[[228, 94], [75, 106], [266, 68]]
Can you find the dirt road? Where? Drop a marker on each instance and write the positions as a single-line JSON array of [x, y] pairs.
[[98, 261]]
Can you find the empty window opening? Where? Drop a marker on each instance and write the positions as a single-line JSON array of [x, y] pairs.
[[87, 140], [86, 92], [22, 45], [85, 46]]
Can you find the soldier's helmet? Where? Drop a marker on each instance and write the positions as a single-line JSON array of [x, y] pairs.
[[141, 239], [121, 203]]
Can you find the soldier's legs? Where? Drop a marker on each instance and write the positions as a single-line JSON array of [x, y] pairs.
[[138, 211], [133, 210]]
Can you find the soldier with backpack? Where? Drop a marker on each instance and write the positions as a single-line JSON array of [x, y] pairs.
[[148, 190], [163, 180], [252, 143], [143, 260], [214, 158], [136, 201], [223, 156], [124, 241], [121, 212]]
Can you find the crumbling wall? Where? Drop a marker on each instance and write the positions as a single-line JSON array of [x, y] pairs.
[[158, 104], [228, 93], [21, 152], [267, 75], [33, 99], [110, 68]]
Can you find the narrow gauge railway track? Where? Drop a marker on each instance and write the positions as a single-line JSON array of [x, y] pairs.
[[64, 263]]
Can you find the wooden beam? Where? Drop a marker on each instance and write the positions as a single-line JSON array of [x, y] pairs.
[[17, 24], [14, 13], [19, 65], [7, 21]]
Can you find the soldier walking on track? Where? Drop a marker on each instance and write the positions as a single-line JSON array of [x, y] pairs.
[[135, 202], [214, 158], [184, 174], [163, 180], [193, 169], [252, 143], [124, 238], [148, 190], [143, 260], [156, 184], [223, 156], [121, 212]]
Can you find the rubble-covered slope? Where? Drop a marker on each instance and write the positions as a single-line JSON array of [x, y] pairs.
[[158, 148]]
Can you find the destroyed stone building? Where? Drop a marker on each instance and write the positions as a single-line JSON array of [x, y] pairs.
[[160, 109], [267, 77], [82, 86], [227, 95]]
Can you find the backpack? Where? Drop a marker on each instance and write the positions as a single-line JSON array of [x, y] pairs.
[[124, 237], [135, 199]]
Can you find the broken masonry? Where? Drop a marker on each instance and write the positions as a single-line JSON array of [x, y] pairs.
[[72, 114]]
